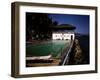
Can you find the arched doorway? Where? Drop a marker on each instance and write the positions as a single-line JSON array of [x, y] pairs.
[[71, 37]]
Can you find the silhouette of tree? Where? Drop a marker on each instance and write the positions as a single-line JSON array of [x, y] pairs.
[[37, 26], [55, 23]]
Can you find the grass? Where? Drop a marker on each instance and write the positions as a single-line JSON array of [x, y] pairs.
[[51, 47]]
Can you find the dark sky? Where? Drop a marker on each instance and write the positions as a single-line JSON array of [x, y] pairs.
[[81, 22]]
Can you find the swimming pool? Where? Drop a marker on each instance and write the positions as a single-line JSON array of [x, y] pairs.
[[53, 47]]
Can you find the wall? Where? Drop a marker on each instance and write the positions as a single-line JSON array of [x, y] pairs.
[[5, 40]]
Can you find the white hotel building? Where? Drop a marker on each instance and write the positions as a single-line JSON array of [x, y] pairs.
[[63, 32]]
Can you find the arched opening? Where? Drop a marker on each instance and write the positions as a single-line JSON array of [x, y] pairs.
[[71, 37]]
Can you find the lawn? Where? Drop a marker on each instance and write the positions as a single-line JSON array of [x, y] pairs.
[[53, 47]]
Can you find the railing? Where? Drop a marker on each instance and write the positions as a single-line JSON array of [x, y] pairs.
[[66, 57]]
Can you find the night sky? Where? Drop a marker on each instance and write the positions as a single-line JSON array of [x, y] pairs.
[[81, 22]]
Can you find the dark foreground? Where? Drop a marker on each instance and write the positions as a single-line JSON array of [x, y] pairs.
[[83, 56]]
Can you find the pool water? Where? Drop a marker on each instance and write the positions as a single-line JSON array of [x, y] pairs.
[[53, 47]]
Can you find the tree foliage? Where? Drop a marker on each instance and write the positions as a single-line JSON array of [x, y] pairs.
[[37, 26]]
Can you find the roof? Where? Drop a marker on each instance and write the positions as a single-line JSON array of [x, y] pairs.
[[64, 27]]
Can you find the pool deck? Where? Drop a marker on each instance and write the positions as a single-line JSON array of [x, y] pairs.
[[54, 62]]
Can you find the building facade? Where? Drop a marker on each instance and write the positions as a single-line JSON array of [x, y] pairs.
[[63, 36]]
